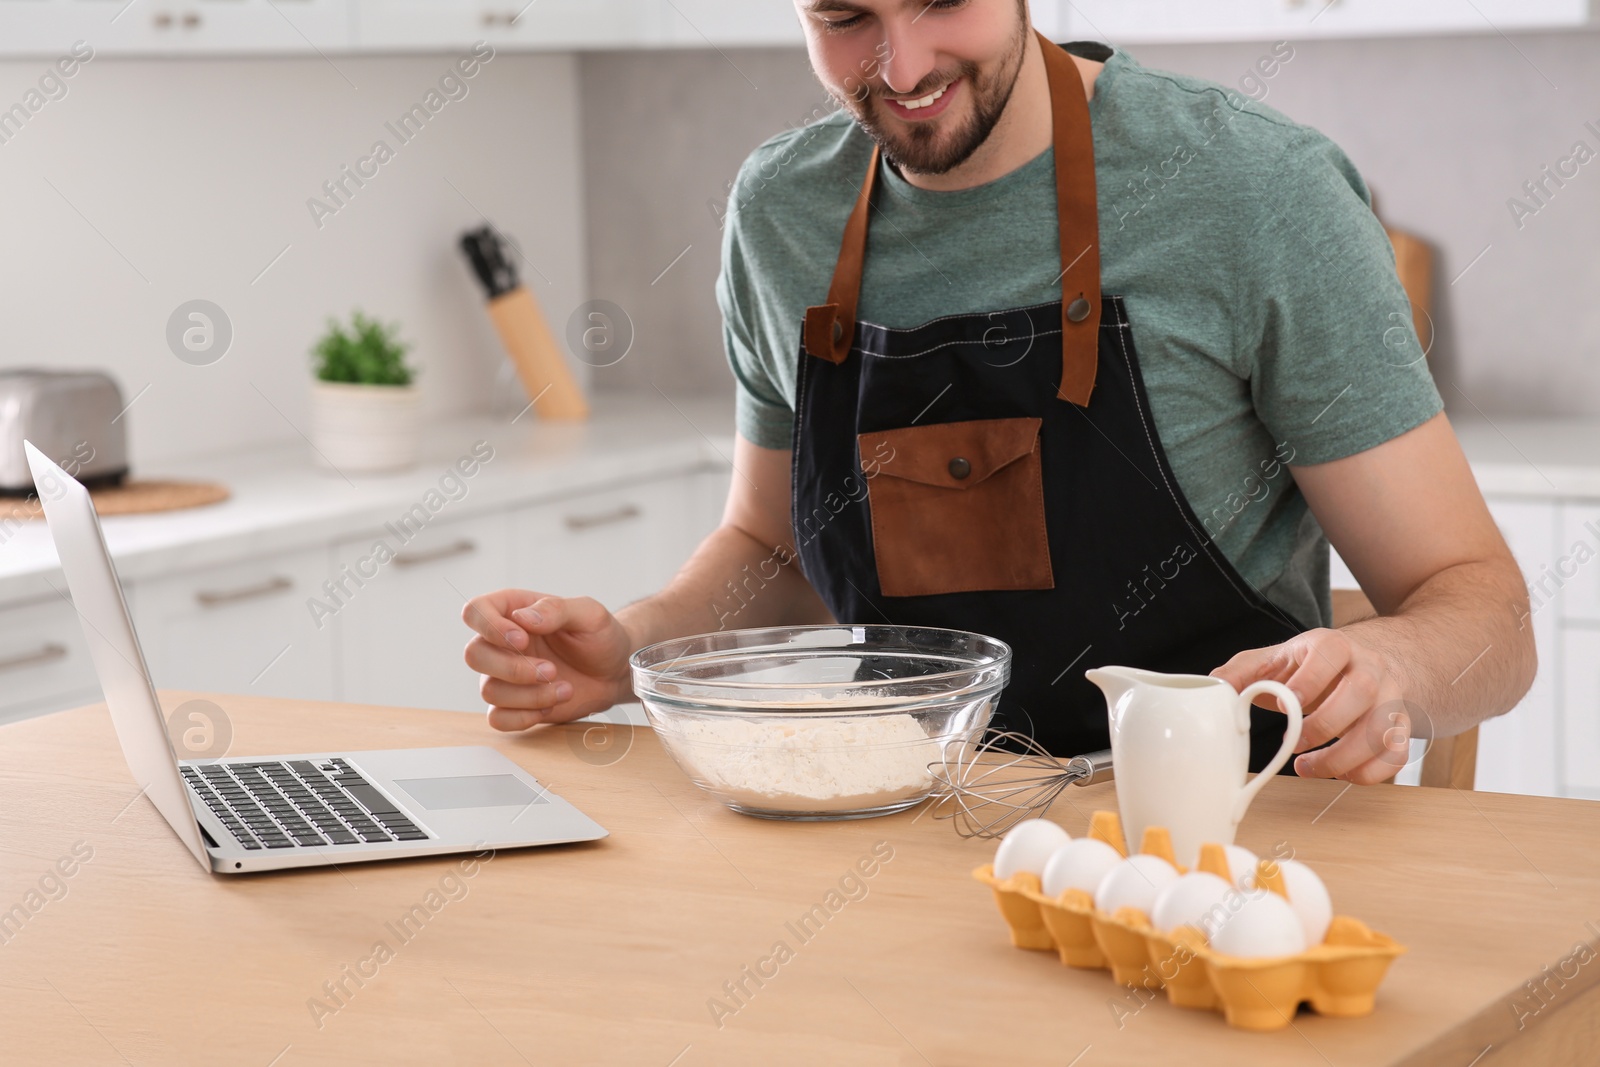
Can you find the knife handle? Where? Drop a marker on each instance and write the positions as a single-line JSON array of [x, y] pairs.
[[540, 364], [485, 249]]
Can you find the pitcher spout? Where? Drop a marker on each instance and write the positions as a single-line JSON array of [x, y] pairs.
[[1114, 681]]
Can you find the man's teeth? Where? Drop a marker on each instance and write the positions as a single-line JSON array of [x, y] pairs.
[[912, 105]]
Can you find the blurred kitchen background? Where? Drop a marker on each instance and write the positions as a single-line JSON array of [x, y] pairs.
[[602, 137], [176, 164]]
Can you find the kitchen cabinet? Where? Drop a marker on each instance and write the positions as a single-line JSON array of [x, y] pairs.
[[209, 27], [710, 495], [174, 27], [400, 631], [702, 23], [1575, 571], [382, 25], [1173, 21], [1129, 21], [573, 24], [281, 591], [1580, 706], [239, 628], [46, 28], [401, 635], [618, 546], [1297, 19], [615, 546], [44, 660], [1518, 751], [1051, 19], [49, 27]]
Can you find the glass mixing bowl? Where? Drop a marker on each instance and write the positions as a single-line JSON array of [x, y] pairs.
[[819, 722]]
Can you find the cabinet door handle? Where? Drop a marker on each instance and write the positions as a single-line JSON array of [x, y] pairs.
[[603, 518], [211, 598], [48, 654], [412, 559]]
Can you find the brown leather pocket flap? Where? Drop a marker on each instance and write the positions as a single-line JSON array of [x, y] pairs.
[[955, 455]]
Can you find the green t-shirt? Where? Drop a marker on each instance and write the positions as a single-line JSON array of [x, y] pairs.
[[1270, 324]]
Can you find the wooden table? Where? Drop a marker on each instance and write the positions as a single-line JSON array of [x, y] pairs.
[[620, 952]]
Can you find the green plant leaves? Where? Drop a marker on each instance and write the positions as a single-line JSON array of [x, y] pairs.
[[368, 353]]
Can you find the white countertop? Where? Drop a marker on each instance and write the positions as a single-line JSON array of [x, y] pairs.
[[281, 500]]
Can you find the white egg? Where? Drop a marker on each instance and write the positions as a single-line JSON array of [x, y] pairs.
[[1197, 899], [1079, 864], [1263, 925], [1134, 883], [1309, 899], [1027, 846], [1242, 865]]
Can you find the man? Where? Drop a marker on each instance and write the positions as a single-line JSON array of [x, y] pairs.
[[1091, 358]]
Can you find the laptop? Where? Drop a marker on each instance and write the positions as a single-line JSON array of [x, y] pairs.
[[310, 809]]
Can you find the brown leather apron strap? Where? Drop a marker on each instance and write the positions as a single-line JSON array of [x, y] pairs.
[[830, 328], [1078, 214]]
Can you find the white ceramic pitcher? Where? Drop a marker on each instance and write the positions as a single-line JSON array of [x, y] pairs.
[[1180, 751]]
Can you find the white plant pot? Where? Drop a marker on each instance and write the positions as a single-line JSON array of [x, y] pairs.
[[364, 428]]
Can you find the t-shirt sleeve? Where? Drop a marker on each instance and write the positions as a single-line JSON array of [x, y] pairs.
[[761, 413], [1335, 363]]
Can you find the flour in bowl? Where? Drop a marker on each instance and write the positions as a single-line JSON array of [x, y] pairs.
[[808, 764]]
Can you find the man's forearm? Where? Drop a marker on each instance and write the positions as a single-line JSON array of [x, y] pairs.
[[1462, 643], [732, 581]]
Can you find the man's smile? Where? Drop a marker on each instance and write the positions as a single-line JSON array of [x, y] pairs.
[[922, 108]]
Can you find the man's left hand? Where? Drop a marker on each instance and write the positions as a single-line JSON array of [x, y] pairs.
[[1348, 691]]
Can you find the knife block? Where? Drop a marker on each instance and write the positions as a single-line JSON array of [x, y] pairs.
[[536, 355]]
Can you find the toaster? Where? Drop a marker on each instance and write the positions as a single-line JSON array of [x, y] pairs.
[[72, 416]]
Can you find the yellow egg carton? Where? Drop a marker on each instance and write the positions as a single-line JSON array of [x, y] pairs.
[[1339, 977]]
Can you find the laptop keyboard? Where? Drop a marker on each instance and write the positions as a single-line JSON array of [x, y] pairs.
[[298, 803]]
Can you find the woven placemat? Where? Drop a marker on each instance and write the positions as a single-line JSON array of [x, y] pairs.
[[130, 498]]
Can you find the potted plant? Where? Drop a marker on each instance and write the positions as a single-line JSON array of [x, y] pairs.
[[363, 403]]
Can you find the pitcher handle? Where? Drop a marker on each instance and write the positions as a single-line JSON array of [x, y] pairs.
[[1291, 707]]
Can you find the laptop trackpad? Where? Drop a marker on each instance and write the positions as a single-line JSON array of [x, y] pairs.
[[470, 791]]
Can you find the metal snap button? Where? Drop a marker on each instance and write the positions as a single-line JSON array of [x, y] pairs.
[[960, 468], [1078, 310], [838, 331]]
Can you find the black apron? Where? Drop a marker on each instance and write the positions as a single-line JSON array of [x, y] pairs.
[[1001, 473]]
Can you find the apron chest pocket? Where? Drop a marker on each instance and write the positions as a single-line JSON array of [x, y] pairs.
[[957, 507]]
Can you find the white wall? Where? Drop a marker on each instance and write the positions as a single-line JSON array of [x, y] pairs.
[[194, 174]]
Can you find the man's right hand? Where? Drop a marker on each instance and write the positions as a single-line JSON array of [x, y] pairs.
[[546, 658], [554, 659]]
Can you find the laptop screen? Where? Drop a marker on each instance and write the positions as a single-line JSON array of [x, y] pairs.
[[113, 645]]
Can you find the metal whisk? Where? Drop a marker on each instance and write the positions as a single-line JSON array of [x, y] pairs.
[[989, 785]]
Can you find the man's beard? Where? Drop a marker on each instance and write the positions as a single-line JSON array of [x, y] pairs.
[[925, 148]]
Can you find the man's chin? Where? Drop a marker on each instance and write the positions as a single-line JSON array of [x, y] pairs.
[[935, 155], [925, 149], [932, 146]]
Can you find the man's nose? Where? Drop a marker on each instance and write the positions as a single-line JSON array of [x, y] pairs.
[[907, 57]]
